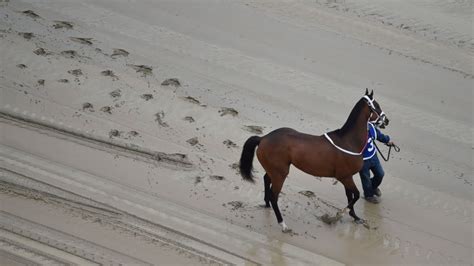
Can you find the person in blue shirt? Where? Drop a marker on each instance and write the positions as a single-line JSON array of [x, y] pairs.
[[372, 164]]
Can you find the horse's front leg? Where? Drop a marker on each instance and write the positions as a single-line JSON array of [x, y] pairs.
[[353, 196]]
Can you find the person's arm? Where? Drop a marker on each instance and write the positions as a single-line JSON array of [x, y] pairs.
[[383, 138]]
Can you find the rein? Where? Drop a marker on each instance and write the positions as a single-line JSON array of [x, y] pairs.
[[395, 148]]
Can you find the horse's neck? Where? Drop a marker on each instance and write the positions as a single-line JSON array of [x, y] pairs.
[[356, 134]]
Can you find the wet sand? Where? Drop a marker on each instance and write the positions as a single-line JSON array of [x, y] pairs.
[[121, 127]]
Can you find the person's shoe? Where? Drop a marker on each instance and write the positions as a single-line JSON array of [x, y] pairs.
[[372, 199], [378, 193]]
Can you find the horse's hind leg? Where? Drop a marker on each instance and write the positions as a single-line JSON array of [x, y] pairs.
[[268, 191], [352, 194], [276, 168], [275, 191]]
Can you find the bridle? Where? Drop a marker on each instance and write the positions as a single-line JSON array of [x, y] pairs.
[[370, 103], [380, 120]]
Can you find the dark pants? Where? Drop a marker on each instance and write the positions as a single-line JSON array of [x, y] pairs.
[[371, 184]]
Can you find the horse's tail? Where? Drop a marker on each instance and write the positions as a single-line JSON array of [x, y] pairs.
[[246, 158]]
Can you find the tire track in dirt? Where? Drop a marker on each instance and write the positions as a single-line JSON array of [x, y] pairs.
[[96, 212], [15, 251], [62, 241], [49, 127], [180, 161], [140, 201], [330, 14], [389, 17]]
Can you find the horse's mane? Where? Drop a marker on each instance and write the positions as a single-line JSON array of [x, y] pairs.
[[352, 119]]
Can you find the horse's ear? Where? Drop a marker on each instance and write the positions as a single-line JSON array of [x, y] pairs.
[[371, 95], [366, 91]]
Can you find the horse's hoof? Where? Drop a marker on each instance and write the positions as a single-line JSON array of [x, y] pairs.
[[360, 221], [284, 227], [265, 206]]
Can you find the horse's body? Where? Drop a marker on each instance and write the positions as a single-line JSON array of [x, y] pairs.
[[315, 155]]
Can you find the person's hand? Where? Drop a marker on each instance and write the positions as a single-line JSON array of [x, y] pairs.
[[390, 143]]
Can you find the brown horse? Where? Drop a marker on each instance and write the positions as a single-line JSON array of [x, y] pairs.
[[335, 154]]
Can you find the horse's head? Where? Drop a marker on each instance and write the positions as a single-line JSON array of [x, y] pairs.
[[377, 116]]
